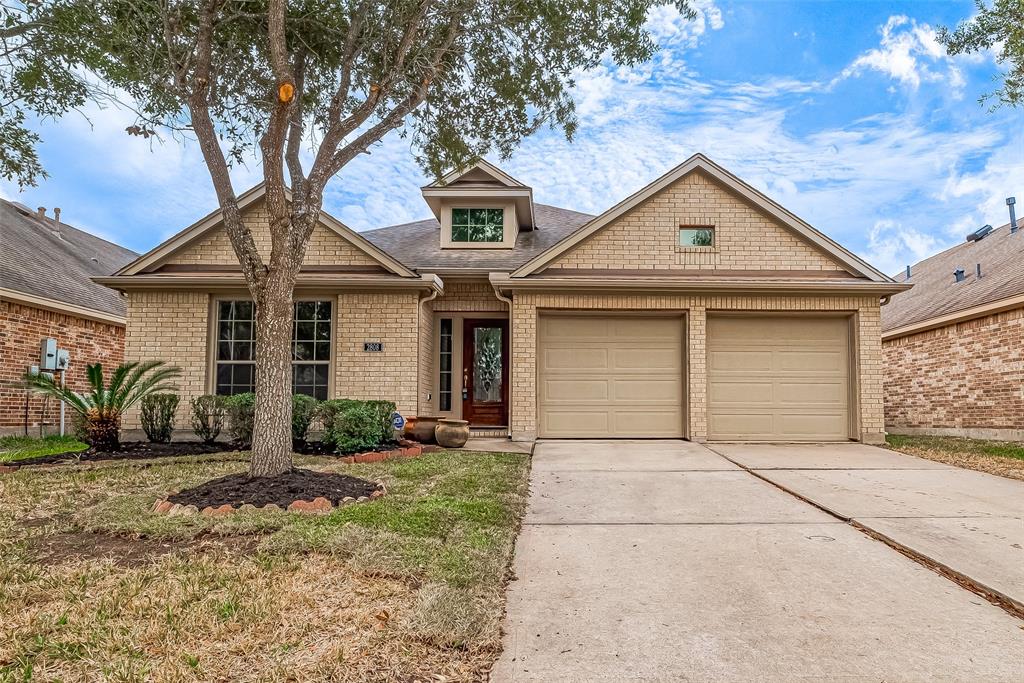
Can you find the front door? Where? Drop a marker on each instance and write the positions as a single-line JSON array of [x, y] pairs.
[[485, 372]]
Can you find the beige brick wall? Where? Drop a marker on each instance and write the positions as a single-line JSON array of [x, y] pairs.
[[389, 375], [965, 379], [172, 327], [524, 338], [326, 247], [648, 236]]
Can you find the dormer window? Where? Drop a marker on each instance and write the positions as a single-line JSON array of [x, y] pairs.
[[478, 225]]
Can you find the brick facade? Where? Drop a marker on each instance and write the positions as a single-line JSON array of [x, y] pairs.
[[867, 402], [965, 379], [648, 236], [23, 327]]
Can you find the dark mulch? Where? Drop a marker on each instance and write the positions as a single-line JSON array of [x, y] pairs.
[[130, 450], [298, 484], [129, 552], [321, 448]]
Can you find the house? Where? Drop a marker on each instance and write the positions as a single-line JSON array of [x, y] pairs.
[[954, 364], [695, 308], [46, 293]]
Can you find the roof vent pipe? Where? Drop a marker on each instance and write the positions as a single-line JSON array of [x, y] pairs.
[[979, 270], [958, 274], [41, 212], [1010, 201], [908, 272], [56, 216]]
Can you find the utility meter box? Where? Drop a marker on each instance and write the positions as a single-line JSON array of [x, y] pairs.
[[63, 359], [48, 354]]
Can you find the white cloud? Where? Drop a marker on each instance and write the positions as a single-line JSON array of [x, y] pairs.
[[893, 246]]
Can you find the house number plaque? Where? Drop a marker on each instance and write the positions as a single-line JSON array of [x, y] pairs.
[[373, 347]]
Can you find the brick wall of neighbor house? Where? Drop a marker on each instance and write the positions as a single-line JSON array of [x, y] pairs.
[[524, 337], [21, 330], [965, 379], [391, 374], [325, 246], [647, 237], [172, 327]]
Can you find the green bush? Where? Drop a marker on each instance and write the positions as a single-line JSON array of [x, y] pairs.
[[351, 425], [208, 416], [304, 409], [158, 416], [241, 417]]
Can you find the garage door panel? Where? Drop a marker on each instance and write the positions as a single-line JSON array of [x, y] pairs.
[[613, 376], [778, 378]]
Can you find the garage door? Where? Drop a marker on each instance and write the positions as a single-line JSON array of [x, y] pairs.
[[610, 377], [778, 378]]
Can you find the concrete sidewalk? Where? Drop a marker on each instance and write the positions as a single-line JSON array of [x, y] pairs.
[[968, 522], [656, 561]]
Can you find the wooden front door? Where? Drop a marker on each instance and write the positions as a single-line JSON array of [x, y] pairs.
[[485, 372]]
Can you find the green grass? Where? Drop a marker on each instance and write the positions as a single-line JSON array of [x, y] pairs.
[[413, 581], [13, 448], [955, 445]]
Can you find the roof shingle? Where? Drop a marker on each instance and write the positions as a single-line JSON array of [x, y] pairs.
[[38, 259]]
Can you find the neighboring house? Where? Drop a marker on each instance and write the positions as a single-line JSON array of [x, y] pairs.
[[46, 291], [954, 344], [695, 308]]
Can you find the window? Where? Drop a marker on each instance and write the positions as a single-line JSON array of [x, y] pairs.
[[478, 225], [311, 348], [696, 235], [444, 393]]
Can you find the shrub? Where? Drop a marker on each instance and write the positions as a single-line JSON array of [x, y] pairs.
[[241, 418], [304, 409], [158, 416], [208, 417], [351, 425]]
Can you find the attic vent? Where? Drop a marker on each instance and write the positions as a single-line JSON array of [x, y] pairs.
[[1010, 201], [958, 274], [979, 233]]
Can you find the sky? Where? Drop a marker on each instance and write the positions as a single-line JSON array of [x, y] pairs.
[[849, 114]]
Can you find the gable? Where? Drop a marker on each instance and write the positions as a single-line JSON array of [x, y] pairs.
[[326, 247], [647, 235]]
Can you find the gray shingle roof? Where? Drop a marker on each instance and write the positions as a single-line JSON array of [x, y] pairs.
[[418, 244], [936, 292], [36, 258]]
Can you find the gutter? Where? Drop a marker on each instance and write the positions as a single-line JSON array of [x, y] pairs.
[[60, 307], [426, 281]]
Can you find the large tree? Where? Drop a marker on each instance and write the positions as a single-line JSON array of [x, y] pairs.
[[310, 84], [999, 27]]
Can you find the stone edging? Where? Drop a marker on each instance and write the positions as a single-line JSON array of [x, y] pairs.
[[316, 506], [381, 456]]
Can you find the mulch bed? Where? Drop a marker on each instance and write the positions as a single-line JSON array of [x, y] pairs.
[[240, 489], [130, 450]]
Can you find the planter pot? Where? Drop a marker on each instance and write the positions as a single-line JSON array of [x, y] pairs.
[[423, 430], [410, 427], [452, 433]]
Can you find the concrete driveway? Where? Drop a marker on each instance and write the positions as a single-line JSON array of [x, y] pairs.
[[662, 560]]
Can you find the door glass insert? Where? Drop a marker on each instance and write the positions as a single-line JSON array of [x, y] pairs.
[[487, 364]]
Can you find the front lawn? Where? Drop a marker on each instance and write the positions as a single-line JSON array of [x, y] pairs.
[[1005, 458], [408, 587], [14, 448]]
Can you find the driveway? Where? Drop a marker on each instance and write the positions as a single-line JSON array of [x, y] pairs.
[[662, 560]]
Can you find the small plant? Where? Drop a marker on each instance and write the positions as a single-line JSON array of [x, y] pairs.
[[158, 416], [208, 417], [103, 405], [304, 409], [241, 418], [351, 425]]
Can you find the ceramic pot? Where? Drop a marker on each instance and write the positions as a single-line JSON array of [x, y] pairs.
[[410, 427], [452, 433], [423, 429]]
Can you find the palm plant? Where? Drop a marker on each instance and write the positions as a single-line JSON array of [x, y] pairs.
[[103, 405]]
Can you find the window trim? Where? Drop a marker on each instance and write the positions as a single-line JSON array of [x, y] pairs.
[[212, 319], [510, 225], [469, 210], [697, 226]]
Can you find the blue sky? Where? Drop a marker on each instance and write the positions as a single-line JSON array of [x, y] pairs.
[[848, 113]]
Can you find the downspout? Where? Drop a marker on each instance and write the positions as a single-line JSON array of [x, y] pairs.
[[885, 300], [511, 339], [434, 293]]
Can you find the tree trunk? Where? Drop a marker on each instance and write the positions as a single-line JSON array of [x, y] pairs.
[[272, 425]]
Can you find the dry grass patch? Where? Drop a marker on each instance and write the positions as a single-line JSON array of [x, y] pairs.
[[94, 586], [1003, 458]]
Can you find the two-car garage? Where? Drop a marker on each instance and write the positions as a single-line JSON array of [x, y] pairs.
[[781, 377]]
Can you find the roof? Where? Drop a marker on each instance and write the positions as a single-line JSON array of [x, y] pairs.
[[699, 162], [937, 294], [40, 260], [418, 244]]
